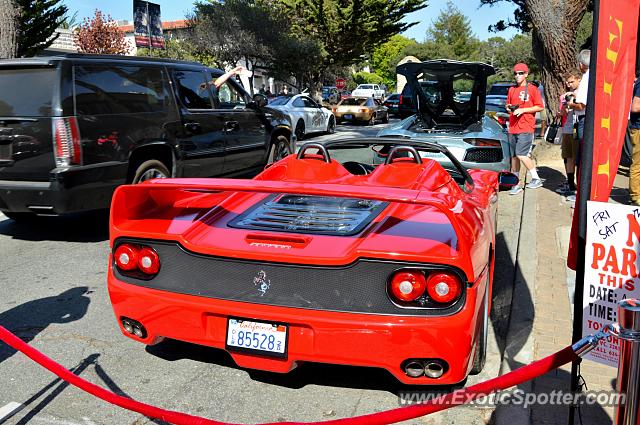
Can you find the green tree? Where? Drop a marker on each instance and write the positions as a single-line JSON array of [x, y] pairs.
[[179, 50], [363, 77], [385, 58], [553, 37], [450, 36], [28, 26], [347, 31]]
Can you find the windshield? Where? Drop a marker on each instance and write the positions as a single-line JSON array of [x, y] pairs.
[[365, 86], [353, 101], [280, 100], [35, 93]]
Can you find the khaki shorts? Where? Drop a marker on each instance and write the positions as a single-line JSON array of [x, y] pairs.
[[569, 146]]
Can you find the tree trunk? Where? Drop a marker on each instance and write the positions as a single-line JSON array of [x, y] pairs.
[[9, 28], [555, 23]]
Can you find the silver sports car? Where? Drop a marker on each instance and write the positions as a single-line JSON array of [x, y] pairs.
[[450, 98], [306, 115]]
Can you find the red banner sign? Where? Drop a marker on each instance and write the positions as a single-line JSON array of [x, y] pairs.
[[616, 62]]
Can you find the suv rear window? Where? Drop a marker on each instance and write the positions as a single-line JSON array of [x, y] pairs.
[[102, 90], [26, 92], [500, 89]]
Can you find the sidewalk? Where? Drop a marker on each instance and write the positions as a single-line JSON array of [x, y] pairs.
[[552, 322]]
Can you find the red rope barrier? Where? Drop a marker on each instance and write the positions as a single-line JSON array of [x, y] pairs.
[[447, 401]]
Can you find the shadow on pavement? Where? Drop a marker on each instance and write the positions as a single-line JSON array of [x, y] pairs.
[[305, 374], [91, 226], [29, 319]]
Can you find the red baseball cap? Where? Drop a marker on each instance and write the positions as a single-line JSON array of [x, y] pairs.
[[521, 67]]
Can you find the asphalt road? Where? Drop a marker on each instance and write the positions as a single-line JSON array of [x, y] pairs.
[[53, 286]]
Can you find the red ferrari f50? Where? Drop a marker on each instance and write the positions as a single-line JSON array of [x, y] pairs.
[[323, 257]]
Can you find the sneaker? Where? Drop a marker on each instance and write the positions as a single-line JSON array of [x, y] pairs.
[[515, 190], [563, 189], [534, 184], [571, 198]]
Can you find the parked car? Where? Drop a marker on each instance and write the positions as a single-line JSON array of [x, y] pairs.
[[500, 88], [391, 103], [369, 90], [330, 95], [323, 257], [94, 122], [361, 109], [495, 106], [444, 117], [305, 114]]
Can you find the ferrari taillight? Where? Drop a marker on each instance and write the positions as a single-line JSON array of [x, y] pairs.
[[407, 285], [148, 261], [443, 288], [126, 257], [363, 110], [131, 258]]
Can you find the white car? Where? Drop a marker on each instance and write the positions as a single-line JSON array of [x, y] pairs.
[[369, 90], [306, 115]]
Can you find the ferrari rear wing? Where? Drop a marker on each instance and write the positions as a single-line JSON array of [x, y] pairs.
[[211, 186], [165, 207]]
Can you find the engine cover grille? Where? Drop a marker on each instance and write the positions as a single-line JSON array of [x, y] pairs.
[[485, 155], [310, 214]]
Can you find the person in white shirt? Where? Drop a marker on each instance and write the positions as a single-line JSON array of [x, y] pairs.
[[579, 104], [569, 146]]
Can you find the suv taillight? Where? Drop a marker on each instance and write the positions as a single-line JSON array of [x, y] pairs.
[[67, 142]]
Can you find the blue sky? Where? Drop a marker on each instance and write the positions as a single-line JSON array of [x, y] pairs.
[[480, 18]]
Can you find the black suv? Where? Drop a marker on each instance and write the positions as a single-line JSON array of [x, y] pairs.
[[74, 127]]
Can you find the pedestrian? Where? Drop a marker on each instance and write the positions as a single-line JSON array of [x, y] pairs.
[[579, 105], [523, 101], [569, 147], [634, 124]]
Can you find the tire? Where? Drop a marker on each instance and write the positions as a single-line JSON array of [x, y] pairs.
[[300, 131], [280, 147], [480, 355], [331, 126], [151, 169], [372, 120], [385, 120]]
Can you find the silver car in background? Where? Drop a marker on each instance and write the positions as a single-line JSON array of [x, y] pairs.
[[450, 98]]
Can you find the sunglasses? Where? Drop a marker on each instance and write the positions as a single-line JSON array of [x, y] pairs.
[[519, 73]]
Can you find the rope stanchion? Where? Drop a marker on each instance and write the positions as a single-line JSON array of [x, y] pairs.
[[447, 401]]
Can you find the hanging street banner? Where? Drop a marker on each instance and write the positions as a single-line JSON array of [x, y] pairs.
[[614, 75], [147, 25], [611, 270], [155, 26], [141, 23], [617, 39]]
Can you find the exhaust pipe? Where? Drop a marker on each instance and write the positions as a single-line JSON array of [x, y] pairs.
[[133, 327], [414, 369], [433, 369]]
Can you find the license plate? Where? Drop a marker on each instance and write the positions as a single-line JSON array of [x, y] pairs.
[[248, 336], [348, 116]]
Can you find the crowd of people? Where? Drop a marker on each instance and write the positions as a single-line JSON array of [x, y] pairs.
[[524, 100]]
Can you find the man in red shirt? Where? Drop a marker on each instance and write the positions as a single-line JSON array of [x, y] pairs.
[[523, 101]]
